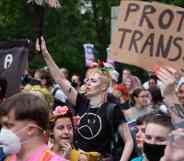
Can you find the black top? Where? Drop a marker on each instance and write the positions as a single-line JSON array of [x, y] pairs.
[[94, 132]]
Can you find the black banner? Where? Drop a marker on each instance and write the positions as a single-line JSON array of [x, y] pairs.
[[13, 61]]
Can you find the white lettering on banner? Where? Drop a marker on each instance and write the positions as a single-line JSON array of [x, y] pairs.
[[8, 61]]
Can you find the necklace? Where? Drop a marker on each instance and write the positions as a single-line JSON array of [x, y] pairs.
[[95, 105]]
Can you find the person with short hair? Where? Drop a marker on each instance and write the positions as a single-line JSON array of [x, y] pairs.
[[93, 131], [26, 117], [157, 129]]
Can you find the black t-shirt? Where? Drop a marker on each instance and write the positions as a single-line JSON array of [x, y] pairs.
[[94, 132]]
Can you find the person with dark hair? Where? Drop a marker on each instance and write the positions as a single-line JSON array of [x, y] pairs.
[[156, 95], [62, 130], [152, 82], [140, 101], [158, 100], [139, 132], [76, 81], [157, 129], [3, 88], [25, 117]]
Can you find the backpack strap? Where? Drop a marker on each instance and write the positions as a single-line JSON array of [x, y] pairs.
[[110, 119], [55, 90], [110, 113]]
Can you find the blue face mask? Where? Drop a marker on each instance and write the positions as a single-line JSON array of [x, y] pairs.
[[2, 154]]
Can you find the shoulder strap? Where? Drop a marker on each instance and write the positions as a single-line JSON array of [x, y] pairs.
[[110, 112], [55, 90], [110, 119]]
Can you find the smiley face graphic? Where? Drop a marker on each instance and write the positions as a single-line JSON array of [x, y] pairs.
[[90, 126]]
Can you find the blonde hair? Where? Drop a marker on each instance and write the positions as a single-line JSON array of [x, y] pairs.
[[42, 91], [103, 72]]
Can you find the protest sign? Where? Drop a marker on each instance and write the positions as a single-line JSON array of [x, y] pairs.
[[13, 60], [89, 54], [149, 34]]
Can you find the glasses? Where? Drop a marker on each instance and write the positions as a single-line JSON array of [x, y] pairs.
[[144, 96], [136, 130], [176, 140]]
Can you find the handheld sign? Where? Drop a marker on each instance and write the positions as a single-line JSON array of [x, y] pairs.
[[89, 54], [148, 35]]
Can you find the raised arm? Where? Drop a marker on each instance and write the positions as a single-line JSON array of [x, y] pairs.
[[57, 75]]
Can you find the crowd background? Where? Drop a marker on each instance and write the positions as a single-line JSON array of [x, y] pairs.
[[97, 117], [106, 114]]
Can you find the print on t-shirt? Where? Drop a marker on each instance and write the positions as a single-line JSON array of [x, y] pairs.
[[90, 126]]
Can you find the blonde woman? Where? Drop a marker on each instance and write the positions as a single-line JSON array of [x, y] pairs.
[[94, 130]]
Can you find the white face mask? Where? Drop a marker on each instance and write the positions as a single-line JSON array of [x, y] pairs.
[[9, 141]]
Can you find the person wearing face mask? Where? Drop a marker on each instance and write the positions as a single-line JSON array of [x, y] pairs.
[[9, 143], [2, 154], [157, 129], [24, 118]]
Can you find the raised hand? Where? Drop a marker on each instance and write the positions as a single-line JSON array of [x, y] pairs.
[[67, 148], [41, 45], [167, 77]]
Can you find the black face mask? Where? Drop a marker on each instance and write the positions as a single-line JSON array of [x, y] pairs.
[[153, 152]]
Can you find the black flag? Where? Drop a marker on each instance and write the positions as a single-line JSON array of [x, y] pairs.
[[13, 61]]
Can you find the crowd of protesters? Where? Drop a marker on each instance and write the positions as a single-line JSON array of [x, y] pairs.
[[54, 117]]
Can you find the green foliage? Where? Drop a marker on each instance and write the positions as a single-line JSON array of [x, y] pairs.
[[65, 29]]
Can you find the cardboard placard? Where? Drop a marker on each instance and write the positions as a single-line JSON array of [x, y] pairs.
[[148, 35]]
